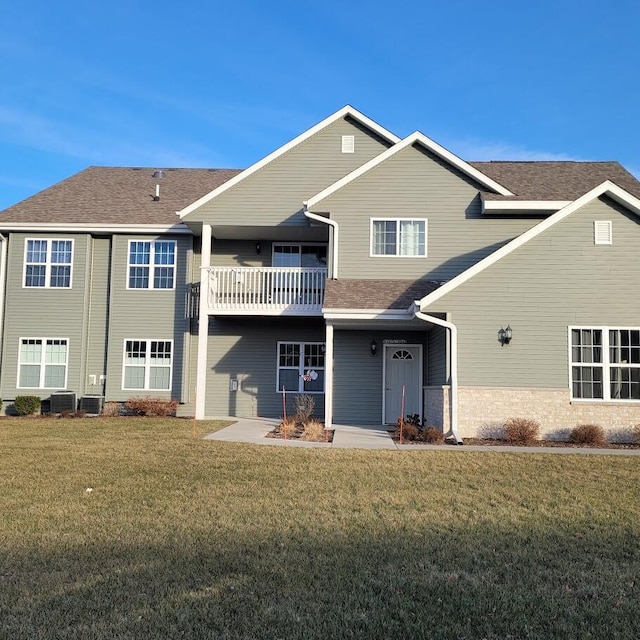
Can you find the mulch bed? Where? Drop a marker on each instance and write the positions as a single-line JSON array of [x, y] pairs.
[[489, 442], [277, 433]]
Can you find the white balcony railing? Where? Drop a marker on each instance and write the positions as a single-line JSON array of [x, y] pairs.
[[275, 290]]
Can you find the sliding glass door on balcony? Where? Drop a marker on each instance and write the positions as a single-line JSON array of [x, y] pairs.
[[298, 287]]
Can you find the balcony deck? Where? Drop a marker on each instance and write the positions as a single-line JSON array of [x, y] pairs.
[[265, 290]]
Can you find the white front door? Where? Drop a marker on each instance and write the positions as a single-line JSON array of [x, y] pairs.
[[402, 374]]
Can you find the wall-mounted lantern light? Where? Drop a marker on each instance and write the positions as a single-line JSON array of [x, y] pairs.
[[373, 347], [258, 247], [505, 335]]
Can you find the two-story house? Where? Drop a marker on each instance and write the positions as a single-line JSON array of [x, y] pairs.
[[372, 272]]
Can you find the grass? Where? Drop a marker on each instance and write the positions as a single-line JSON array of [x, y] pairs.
[[186, 538]]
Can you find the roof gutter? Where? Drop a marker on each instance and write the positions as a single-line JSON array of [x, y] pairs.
[[334, 244], [453, 377]]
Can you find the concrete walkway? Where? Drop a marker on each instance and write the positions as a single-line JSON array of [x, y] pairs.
[[254, 430]]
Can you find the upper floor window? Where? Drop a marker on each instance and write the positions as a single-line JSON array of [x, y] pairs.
[[399, 237], [42, 363], [605, 363], [47, 263], [152, 264]]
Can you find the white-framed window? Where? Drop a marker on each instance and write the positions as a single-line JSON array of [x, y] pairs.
[[299, 255], [604, 363], [301, 367], [147, 364], [403, 237], [47, 263], [43, 363], [152, 264]]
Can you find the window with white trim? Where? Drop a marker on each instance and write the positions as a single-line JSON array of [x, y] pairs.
[[605, 363], [42, 363], [151, 264], [301, 367], [399, 237], [47, 263], [147, 364]]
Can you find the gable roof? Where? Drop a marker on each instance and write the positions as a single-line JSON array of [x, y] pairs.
[[115, 196], [607, 188], [338, 115], [556, 180], [419, 139]]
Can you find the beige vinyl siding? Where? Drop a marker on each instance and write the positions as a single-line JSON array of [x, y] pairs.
[[274, 194], [559, 278], [357, 390], [246, 349], [146, 314], [39, 312], [417, 185], [97, 313]]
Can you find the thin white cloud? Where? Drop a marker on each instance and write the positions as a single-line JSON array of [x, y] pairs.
[[473, 149]]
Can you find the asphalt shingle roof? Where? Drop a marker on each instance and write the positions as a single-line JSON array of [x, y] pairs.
[[375, 294], [554, 180], [118, 195]]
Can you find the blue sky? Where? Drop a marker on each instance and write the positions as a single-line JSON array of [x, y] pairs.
[[222, 84]]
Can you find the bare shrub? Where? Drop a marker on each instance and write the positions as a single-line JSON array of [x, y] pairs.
[[111, 409], [288, 427], [432, 435], [592, 434], [303, 404], [150, 406], [636, 434], [521, 430], [406, 430], [313, 431]]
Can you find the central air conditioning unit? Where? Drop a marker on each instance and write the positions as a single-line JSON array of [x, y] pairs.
[[62, 401], [91, 404]]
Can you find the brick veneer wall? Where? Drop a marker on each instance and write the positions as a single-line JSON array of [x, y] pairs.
[[483, 410]]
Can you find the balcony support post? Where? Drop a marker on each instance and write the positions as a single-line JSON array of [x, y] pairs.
[[203, 323], [328, 376]]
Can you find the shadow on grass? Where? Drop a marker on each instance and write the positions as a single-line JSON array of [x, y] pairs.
[[482, 582]]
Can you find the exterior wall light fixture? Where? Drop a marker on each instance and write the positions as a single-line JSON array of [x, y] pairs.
[[373, 348], [505, 335], [258, 247]]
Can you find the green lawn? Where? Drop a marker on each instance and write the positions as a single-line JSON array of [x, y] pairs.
[[186, 538]]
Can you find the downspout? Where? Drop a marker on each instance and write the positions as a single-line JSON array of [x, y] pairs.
[[334, 244], [454, 367], [328, 392], [3, 277]]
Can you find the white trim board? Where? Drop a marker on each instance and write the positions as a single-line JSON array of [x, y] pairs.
[[338, 115], [427, 143], [89, 227], [606, 188]]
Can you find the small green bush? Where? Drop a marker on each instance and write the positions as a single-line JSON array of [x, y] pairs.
[[592, 434], [521, 430], [26, 405]]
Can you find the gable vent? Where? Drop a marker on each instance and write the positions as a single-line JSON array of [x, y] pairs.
[[348, 144], [602, 232]]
